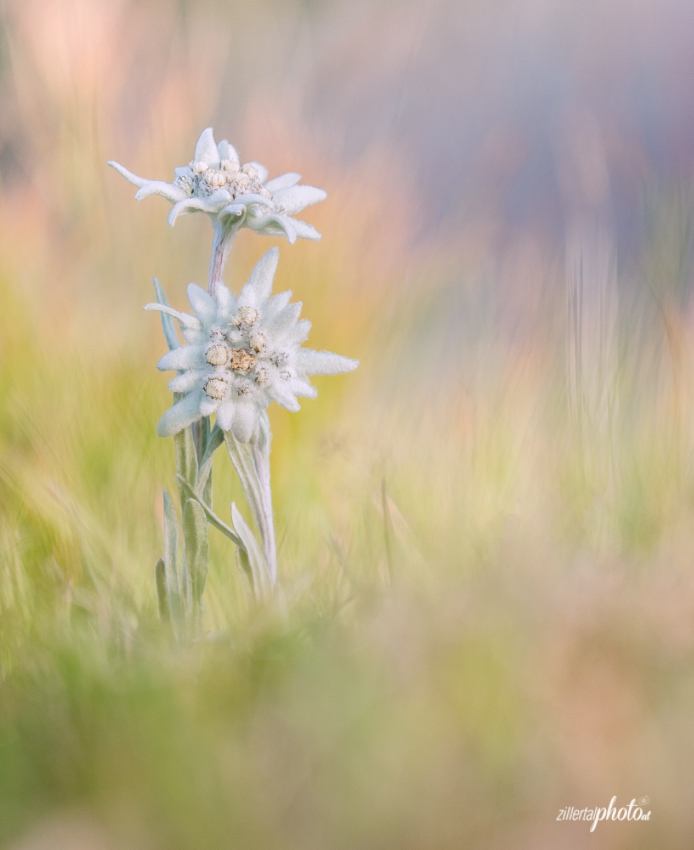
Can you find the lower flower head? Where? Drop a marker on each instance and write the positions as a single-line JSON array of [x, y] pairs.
[[240, 355]]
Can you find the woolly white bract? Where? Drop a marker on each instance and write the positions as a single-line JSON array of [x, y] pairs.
[[233, 195], [241, 354]]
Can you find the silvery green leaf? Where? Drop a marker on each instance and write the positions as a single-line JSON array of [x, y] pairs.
[[258, 567], [261, 461], [252, 464], [241, 455], [160, 578], [197, 547], [186, 456], [212, 517], [202, 436], [214, 441], [173, 586], [166, 321]]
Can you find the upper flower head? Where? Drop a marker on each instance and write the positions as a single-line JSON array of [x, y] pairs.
[[241, 354], [233, 195]]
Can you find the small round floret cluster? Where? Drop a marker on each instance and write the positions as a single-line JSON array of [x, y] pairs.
[[203, 180], [241, 358]]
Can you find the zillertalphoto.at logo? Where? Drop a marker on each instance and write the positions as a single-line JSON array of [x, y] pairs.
[[634, 811]]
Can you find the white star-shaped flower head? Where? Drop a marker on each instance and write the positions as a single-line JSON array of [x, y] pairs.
[[233, 195], [241, 354]]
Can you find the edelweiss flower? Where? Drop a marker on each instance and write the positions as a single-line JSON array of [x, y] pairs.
[[233, 195], [241, 355]]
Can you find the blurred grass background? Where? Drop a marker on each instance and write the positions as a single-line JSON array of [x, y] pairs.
[[485, 533]]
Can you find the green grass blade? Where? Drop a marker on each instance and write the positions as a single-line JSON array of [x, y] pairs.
[[160, 577]]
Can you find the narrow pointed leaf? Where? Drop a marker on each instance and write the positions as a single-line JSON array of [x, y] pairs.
[[261, 461], [214, 441], [166, 320], [173, 586], [186, 458], [212, 517], [258, 566], [252, 464]]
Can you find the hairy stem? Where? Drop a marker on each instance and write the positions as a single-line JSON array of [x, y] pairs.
[[220, 252]]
